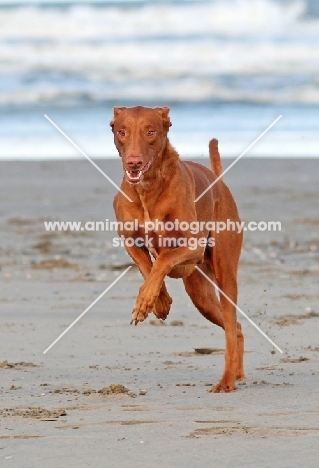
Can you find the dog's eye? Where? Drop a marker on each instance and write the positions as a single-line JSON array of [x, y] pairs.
[[150, 133], [121, 133]]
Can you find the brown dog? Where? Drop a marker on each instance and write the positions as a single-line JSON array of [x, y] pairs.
[[163, 189]]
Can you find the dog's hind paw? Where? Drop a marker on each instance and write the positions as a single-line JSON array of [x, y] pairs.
[[240, 376], [223, 386]]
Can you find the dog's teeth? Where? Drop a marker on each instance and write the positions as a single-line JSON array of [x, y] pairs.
[[134, 178]]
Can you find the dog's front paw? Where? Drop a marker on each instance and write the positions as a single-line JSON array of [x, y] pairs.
[[138, 316], [163, 305], [145, 303]]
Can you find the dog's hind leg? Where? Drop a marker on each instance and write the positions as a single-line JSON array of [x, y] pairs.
[[203, 296], [225, 259], [234, 352]]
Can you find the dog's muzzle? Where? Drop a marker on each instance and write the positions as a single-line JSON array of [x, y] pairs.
[[135, 177]]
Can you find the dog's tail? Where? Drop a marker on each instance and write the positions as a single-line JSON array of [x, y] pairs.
[[214, 157]]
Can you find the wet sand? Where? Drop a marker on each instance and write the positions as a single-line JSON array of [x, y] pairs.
[[109, 394]]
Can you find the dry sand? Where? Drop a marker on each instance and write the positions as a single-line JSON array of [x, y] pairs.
[[112, 395]]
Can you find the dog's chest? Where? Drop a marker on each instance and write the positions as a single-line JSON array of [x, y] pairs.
[[146, 214], [147, 219]]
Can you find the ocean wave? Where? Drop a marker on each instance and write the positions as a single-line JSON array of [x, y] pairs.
[[190, 71], [229, 18], [237, 50], [144, 94], [185, 58]]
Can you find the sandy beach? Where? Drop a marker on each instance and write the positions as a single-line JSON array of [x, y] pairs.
[[112, 395]]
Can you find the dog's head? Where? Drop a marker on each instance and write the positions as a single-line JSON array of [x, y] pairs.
[[140, 135]]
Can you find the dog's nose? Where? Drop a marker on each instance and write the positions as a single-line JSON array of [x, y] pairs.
[[134, 162]]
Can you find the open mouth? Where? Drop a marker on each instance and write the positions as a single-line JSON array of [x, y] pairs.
[[135, 176]]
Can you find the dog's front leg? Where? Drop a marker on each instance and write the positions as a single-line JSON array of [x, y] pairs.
[[150, 290], [142, 258]]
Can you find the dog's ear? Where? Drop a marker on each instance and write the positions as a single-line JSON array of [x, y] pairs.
[[164, 111], [117, 111]]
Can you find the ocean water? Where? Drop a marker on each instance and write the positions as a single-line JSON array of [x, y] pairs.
[[226, 68]]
